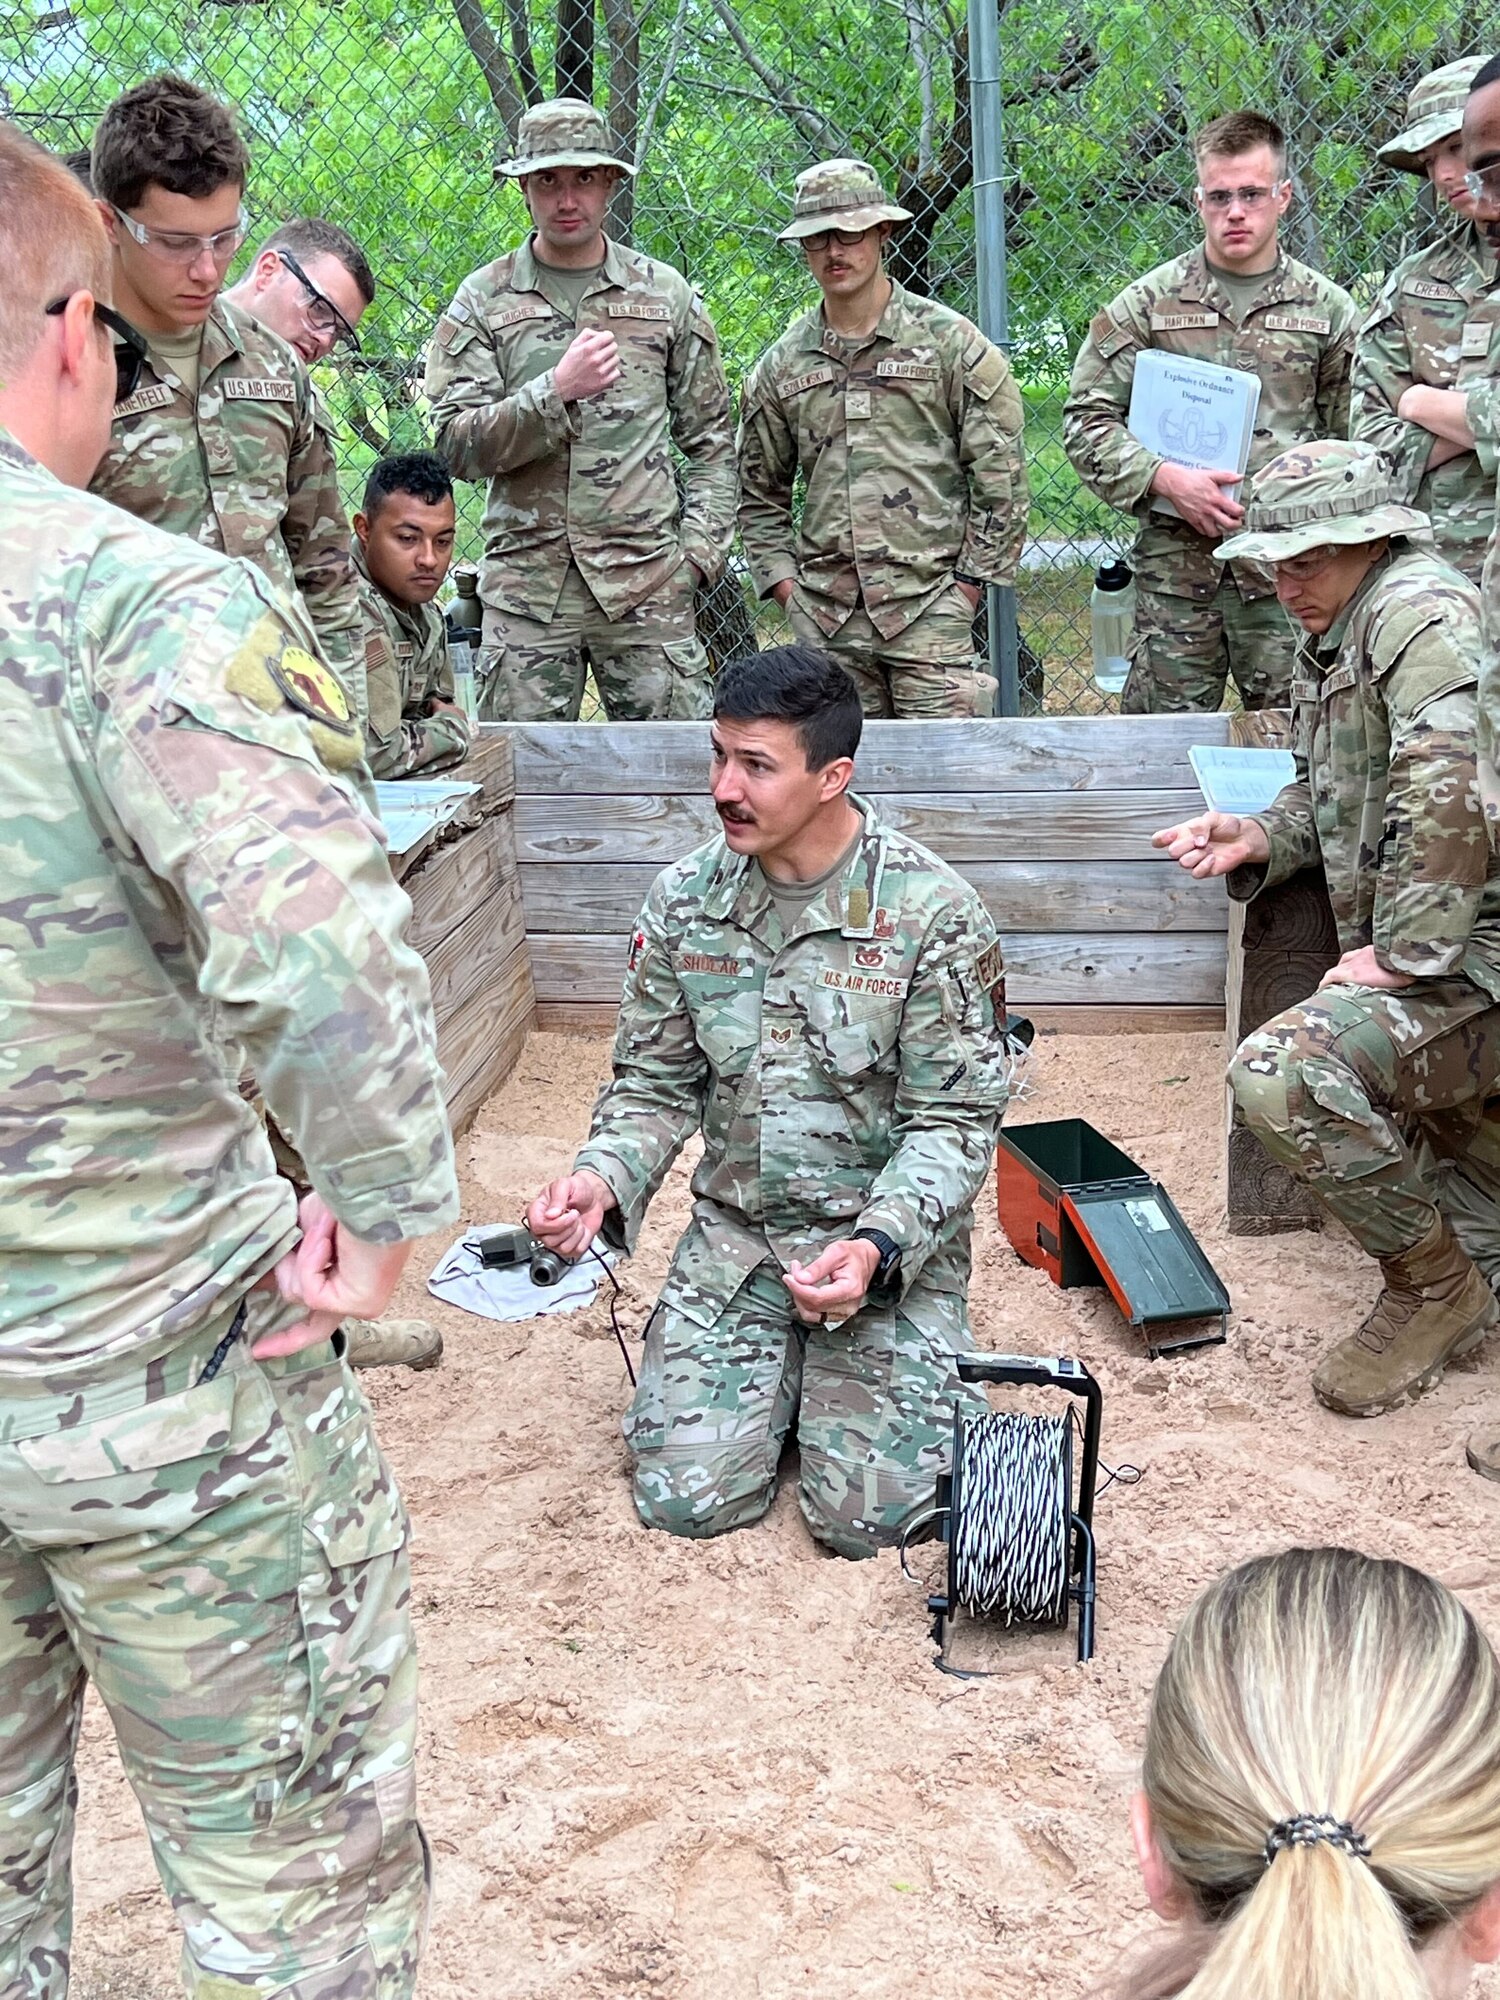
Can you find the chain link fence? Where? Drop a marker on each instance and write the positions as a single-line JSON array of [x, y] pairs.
[[387, 115]]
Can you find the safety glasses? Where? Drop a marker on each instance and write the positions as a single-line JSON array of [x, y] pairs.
[[130, 345], [323, 316]]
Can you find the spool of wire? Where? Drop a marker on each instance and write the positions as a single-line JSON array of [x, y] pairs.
[[1012, 1517], [1020, 1545]]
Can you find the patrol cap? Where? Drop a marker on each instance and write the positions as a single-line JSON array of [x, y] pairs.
[[563, 132], [839, 194], [1330, 491], [1434, 111]]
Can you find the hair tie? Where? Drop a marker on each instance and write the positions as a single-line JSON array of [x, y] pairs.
[[1307, 1829]]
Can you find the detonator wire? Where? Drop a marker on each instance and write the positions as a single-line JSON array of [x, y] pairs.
[[614, 1310]]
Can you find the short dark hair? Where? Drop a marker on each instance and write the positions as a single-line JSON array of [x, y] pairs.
[[1485, 76], [422, 474], [168, 133], [80, 164], [311, 236], [1240, 132], [797, 684]]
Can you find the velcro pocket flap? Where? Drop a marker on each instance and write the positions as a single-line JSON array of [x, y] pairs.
[[1395, 631], [187, 1425]]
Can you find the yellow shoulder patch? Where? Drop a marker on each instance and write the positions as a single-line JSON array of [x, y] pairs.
[[272, 674], [312, 687]]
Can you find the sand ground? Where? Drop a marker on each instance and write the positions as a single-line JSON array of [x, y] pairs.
[[729, 1771]]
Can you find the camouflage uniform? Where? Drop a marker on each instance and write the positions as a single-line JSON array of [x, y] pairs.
[[587, 545], [247, 467], [1437, 324], [1197, 618], [1343, 1088], [1482, 408], [216, 1540], [406, 671], [848, 1074], [909, 448]]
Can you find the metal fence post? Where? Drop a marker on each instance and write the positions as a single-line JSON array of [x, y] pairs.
[[986, 120]]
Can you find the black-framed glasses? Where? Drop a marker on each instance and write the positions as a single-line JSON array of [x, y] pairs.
[[823, 237], [323, 316], [130, 344]]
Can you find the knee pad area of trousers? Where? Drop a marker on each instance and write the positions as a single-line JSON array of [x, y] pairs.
[[1259, 1078], [698, 1497]]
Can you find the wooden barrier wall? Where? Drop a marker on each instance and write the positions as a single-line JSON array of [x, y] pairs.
[[1050, 819], [467, 923]]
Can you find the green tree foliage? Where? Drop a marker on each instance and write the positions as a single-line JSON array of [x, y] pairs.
[[387, 116]]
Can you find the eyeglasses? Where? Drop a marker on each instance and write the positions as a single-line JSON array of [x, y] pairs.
[[177, 247], [1222, 198], [323, 316], [1311, 563], [1483, 183], [847, 237], [130, 344]]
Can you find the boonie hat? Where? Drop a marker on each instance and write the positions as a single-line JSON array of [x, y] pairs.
[[1330, 491], [1434, 111], [839, 194], [563, 132]]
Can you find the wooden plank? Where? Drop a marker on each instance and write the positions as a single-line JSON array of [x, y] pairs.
[[479, 1043], [1014, 754], [961, 827], [457, 879], [1185, 970], [598, 1017], [491, 763], [1020, 895], [459, 964]]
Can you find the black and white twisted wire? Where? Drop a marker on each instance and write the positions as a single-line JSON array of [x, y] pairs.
[[1012, 1530]]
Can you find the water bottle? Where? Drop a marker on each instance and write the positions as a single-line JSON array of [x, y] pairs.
[[465, 619], [1111, 616]]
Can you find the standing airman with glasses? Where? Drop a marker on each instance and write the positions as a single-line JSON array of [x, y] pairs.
[[1238, 300], [222, 440], [904, 424], [1434, 329]]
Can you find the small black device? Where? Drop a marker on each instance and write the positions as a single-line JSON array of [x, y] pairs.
[[504, 1249]]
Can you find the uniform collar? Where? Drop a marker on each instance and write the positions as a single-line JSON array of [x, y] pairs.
[[13, 452], [818, 337], [526, 275], [1463, 258], [737, 889], [1328, 646], [1199, 283], [228, 331]]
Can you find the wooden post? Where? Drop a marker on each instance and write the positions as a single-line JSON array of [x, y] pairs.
[[1280, 946]]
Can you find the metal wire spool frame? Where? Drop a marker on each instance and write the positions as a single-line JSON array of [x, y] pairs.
[[1020, 1547]]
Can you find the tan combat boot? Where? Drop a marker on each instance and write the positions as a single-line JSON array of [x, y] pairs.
[[1483, 1451], [1435, 1306], [392, 1343]]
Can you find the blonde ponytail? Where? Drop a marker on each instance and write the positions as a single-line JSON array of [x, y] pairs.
[[1323, 1769]]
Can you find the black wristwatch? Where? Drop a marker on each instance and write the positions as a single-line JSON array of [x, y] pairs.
[[887, 1278], [974, 582]]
